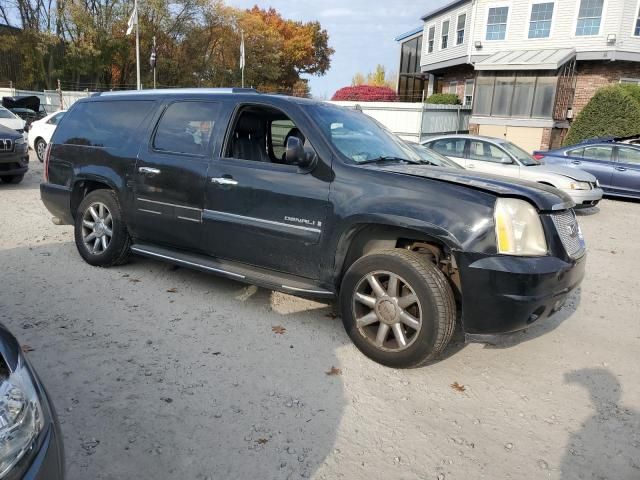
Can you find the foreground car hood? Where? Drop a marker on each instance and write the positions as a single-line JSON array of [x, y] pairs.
[[575, 173], [542, 196]]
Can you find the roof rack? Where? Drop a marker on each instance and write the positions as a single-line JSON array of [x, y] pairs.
[[179, 90]]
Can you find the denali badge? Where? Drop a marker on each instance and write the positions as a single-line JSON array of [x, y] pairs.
[[304, 221]]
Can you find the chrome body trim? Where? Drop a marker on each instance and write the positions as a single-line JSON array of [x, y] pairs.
[[167, 204], [305, 290], [149, 211], [262, 220]]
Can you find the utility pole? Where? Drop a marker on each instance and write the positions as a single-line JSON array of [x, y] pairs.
[[154, 56], [59, 90], [135, 7]]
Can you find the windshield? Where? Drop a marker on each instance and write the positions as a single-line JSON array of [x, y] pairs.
[[4, 113], [359, 137], [522, 156], [433, 157]]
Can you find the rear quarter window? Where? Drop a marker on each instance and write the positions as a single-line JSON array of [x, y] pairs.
[[104, 124]]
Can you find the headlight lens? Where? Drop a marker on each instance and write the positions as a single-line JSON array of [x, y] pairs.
[[19, 141], [580, 186], [21, 417], [518, 228]]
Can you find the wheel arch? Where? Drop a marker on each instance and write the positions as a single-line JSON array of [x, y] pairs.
[[83, 187]]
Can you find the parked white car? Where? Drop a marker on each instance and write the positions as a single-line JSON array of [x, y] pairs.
[[11, 120], [41, 131], [501, 157]]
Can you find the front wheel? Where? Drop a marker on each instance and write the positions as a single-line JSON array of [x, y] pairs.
[[397, 308], [41, 148], [101, 235]]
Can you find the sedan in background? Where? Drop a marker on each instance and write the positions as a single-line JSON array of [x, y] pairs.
[[431, 157], [30, 438], [501, 157], [41, 131], [12, 121], [616, 165]]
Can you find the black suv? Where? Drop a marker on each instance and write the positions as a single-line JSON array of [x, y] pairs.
[[14, 155], [315, 200]]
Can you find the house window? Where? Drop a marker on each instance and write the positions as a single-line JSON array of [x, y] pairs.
[[636, 30], [453, 87], [497, 23], [431, 39], [468, 92], [462, 20], [445, 34], [589, 17], [540, 22]]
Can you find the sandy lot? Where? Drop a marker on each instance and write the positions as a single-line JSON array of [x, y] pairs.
[[165, 373]]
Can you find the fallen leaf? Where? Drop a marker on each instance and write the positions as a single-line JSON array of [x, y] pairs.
[[457, 387], [262, 441], [331, 315], [27, 348], [172, 290], [134, 280], [278, 329], [334, 371], [126, 275]]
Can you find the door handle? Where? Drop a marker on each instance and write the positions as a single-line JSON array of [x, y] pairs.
[[224, 181], [576, 162], [621, 169], [152, 171]]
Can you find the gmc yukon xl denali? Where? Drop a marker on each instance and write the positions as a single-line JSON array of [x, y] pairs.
[[314, 200]]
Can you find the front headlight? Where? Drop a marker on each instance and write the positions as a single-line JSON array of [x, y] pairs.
[[518, 228], [21, 417], [19, 141], [580, 186]]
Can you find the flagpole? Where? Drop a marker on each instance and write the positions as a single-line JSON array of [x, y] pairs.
[[154, 63], [135, 9]]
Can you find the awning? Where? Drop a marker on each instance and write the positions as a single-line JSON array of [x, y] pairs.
[[527, 59]]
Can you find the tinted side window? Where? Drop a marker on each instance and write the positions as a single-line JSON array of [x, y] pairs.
[[629, 155], [576, 152], [279, 131], [55, 119], [485, 152], [107, 124], [452, 147], [186, 127], [598, 153]]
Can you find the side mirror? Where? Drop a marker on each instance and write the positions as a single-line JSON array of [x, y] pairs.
[[296, 153], [506, 160]]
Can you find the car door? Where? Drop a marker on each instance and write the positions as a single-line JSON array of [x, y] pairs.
[[170, 175], [258, 209], [626, 174], [453, 148], [489, 158], [595, 159]]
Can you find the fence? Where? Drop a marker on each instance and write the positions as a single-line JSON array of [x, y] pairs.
[[416, 121], [49, 98]]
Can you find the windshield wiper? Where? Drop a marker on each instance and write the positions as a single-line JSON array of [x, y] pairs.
[[383, 159]]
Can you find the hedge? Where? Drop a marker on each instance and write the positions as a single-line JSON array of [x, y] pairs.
[[611, 112], [444, 99], [366, 93]]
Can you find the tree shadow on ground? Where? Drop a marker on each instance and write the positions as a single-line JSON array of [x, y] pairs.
[[607, 446]]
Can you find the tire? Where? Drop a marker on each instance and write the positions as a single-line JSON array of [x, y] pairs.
[[106, 217], [40, 147], [12, 178], [434, 307]]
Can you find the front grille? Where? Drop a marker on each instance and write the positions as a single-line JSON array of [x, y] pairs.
[[567, 225], [6, 145]]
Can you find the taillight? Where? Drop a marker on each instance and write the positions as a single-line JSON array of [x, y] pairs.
[[47, 152], [538, 156]]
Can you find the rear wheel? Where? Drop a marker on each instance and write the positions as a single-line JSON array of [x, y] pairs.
[[41, 148], [101, 235], [12, 178], [398, 308]]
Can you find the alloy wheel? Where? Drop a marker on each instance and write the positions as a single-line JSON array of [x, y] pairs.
[[97, 228]]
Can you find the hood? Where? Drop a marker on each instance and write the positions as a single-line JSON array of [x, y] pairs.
[[12, 123], [575, 173], [31, 102], [9, 133], [543, 197]]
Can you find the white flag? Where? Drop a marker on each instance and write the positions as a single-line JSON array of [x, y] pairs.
[[133, 20], [242, 58]]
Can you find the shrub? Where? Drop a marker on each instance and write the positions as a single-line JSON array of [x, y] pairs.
[[611, 112], [366, 93], [444, 99]]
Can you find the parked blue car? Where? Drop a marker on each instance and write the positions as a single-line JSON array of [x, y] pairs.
[[616, 164]]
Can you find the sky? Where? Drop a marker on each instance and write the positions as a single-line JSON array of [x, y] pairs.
[[362, 33]]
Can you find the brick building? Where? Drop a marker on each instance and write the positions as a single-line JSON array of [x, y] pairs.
[[527, 66]]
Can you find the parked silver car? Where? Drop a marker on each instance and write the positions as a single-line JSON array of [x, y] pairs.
[[501, 157]]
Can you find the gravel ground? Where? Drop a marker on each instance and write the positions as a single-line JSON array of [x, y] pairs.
[[159, 372]]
